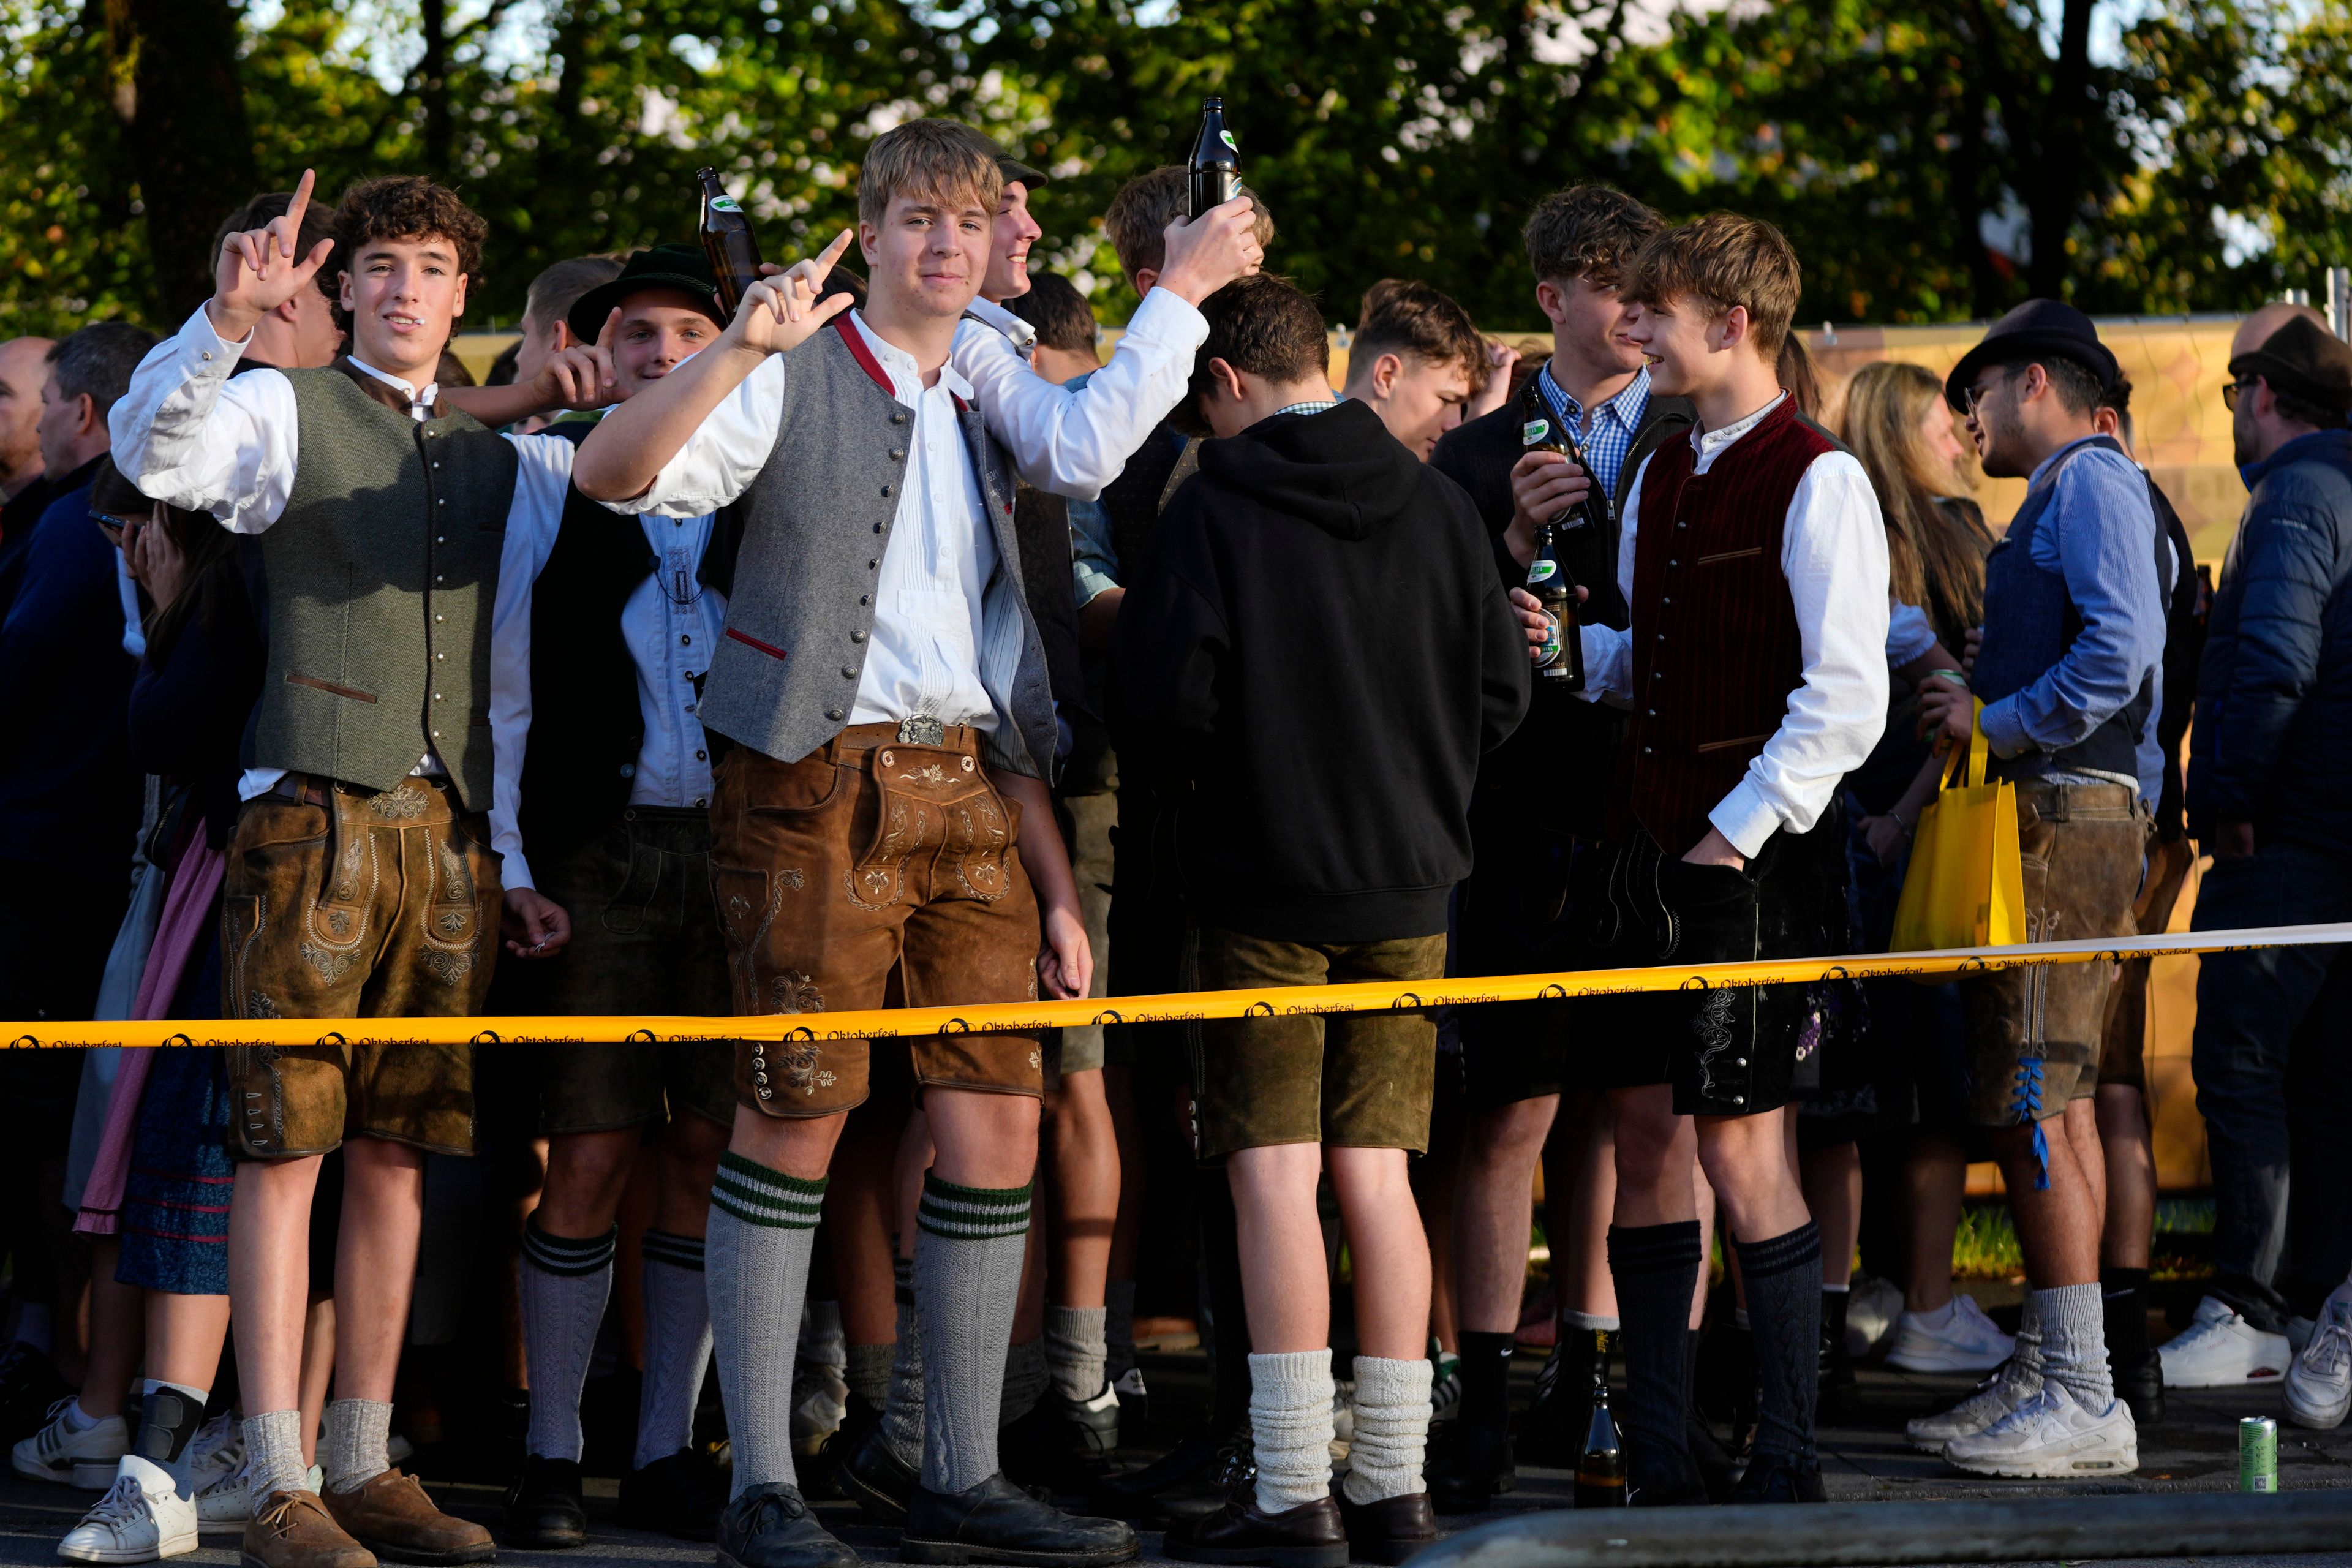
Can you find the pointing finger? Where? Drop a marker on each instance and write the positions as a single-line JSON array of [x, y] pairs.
[[832, 254], [604, 333]]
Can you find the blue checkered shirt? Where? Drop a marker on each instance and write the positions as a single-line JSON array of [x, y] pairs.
[[1606, 434]]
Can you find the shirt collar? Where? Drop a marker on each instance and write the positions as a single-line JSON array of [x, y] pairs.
[[904, 372], [1312, 405], [425, 398], [1711, 442], [1629, 403], [1018, 333], [2293, 451], [2049, 464]]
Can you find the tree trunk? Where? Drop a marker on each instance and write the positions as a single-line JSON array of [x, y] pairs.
[[178, 94], [2059, 183], [433, 71]]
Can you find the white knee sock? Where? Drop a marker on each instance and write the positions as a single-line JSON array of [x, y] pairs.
[[1290, 1424], [1392, 1429]]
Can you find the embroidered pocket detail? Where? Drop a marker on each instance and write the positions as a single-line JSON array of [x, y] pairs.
[[353, 693], [771, 649], [1727, 745], [1752, 550]]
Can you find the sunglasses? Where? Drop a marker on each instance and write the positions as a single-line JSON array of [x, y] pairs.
[[2230, 392]]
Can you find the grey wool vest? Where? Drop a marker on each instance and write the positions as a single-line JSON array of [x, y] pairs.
[[815, 522], [382, 572]]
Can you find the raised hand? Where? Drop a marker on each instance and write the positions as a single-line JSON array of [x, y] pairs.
[[1203, 256], [1543, 485], [784, 309], [259, 270], [581, 377]]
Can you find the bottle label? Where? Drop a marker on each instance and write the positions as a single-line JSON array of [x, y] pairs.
[[724, 205], [1536, 429], [1547, 654], [1229, 140], [1542, 571]]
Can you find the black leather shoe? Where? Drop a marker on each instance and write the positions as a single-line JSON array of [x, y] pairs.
[[880, 1482], [1063, 1444], [771, 1527], [1473, 1464], [1389, 1531], [1308, 1536], [821, 1472], [996, 1522], [681, 1496], [1776, 1477], [1235, 1470], [1129, 1493], [543, 1506], [2140, 1384]]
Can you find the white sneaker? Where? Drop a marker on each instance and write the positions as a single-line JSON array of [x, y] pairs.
[[86, 1458], [1870, 1309], [2015, 1384], [224, 1503], [141, 1518], [2221, 1350], [2319, 1384], [1445, 1390], [2051, 1436], [1968, 1341], [216, 1449]]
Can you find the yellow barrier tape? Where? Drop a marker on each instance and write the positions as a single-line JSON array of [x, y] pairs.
[[1381, 996]]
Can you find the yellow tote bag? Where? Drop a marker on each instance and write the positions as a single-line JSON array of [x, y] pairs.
[[1964, 886]]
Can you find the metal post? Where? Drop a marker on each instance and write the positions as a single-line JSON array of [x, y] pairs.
[[2339, 302], [2297, 296], [2065, 1528]]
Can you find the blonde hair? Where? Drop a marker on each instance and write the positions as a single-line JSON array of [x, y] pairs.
[[1935, 553], [1136, 222], [1721, 261], [942, 160]]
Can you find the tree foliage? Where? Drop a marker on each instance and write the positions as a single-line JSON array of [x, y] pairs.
[[1932, 159]]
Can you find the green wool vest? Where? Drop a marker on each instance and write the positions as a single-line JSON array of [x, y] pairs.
[[382, 572]]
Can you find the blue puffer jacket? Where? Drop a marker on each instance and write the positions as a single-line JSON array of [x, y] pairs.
[[2272, 743]]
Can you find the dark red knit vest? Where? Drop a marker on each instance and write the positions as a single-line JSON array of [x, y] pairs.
[[1716, 650]]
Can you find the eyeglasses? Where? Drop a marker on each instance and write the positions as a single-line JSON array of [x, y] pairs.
[[1972, 396], [2230, 394]]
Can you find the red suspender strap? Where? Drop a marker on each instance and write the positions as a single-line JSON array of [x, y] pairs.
[[858, 351]]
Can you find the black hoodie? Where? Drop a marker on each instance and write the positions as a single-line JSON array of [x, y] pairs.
[[1322, 648]]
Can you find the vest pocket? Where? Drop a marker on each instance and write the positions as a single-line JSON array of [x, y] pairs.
[[1753, 550], [312, 682]]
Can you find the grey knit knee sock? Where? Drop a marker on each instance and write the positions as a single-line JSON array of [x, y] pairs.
[[2073, 1320], [1290, 1426], [902, 1413], [565, 1283], [969, 1247], [762, 1233], [1027, 1376], [1077, 1351], [677, 1344], [1391, 1437], [353, 1443], [273, 1447]]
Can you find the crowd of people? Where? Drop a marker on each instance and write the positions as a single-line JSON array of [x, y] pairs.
[[340, 687]]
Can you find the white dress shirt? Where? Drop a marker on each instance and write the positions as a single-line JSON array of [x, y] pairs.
[[947, 633], [190, 436], [1834, 553]]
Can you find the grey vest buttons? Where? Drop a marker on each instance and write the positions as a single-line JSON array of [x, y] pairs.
[[850, 671], [835, 714], [858, 636], [886, 490]]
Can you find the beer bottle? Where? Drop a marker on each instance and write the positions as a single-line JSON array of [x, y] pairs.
[[726, 241], [1542, 433], [1601, 1470], [1562, 657], [1215, 160]]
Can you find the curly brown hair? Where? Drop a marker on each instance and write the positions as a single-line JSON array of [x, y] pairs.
[[409, 206], [1587, 231]]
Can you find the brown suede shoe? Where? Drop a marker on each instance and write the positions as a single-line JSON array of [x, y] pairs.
[[1307, 1536], [392, 1517], [294, 1530], [1390, 1529]]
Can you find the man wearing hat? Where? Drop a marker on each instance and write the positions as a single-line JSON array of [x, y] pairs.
[[2068, 675], [602, 821], [2270, 775]]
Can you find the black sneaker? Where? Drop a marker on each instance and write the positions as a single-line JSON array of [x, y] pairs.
[[543, 1506], [996, 1522], [1776, 1477], [1473, 1463], [880, 1483], [680, 1496], [1064, 1444], [771, 1527]]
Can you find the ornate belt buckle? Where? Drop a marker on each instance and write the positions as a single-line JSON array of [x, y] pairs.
[[922, 730]]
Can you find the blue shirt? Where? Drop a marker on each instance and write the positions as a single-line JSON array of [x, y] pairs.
[[1606, 433], [2099, 534]]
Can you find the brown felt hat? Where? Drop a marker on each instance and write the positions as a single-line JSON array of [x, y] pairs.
[[2304, 360]]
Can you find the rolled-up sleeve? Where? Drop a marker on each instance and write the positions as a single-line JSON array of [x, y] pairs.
[[190, 436], [2099, 533], [1834, 553], [1070, 442]]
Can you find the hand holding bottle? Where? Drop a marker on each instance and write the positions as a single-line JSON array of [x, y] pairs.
[[1543, 485]]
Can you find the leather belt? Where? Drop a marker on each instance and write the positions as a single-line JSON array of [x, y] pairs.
[[306, 789]]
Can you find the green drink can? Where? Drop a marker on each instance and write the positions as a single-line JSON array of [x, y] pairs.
[[2257, 1454]]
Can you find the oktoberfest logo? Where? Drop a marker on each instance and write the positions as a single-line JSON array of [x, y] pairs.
[[1258, 1010], [1109, 1016], [955, 1027], [179, 1040], [1836, 971], [801, 1036], [24, 1043], [488, 1037], [1555, 992], [332, 1037], [644, 1037], [1407, 999], [1697, 982]]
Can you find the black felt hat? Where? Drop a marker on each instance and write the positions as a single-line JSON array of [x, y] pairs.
[[2039, 329], [1016, 170], [680, 266], [2305, 360]]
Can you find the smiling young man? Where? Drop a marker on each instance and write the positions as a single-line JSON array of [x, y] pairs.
[[1416, 361], [1538, 795], [602, 820], [882, 828], [1753, 670], [361, 878]]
